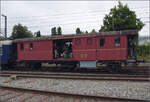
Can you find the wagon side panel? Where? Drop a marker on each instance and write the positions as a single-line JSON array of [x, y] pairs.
[[38, 50], [84, 48], [112, 49]]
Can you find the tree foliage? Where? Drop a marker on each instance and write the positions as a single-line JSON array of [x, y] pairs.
[[78, 31], [20, 31], [143, 51], [121, 18], [54, 32], [59, 32], [93, 31], [3, 38], [37, 34], [86, 32]]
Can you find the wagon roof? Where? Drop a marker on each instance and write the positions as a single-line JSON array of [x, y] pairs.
[[123, 32]]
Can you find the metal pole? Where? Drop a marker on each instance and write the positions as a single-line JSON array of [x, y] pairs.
[[5, 25], [113, 23], [0, 20], [0, 41]]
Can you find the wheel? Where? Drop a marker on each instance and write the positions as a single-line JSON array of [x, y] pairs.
[[114, 67], [37, 66], [3, 67], [29, 66], [73, 67]]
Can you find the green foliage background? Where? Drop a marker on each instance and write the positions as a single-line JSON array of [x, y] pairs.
[[37, 34], [20, 31], [143, 52], [121, 18], [56, 31]]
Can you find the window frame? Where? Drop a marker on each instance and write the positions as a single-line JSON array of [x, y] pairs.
[[104, 41], [89, 41], [21, 46], [116, 43], [31, 46], [77, 41]]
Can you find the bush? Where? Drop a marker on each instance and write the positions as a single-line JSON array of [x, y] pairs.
[[143, 52]]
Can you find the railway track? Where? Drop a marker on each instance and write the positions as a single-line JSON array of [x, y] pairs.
[[71, 74], [136, 70], [77, 76], [13, 94]]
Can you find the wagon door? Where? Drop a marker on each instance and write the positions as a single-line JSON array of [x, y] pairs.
[[101, 46], [62, 49]]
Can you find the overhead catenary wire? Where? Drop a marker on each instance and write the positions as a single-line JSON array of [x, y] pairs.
[[62, 23], [51, 16], [57, 21], [30, 18], [47, 21], [61, 14], [44, 22]]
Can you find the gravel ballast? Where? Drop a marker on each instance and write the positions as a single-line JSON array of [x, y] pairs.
[[123, 89]]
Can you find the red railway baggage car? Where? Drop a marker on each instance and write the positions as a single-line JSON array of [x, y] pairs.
[[87, 50]]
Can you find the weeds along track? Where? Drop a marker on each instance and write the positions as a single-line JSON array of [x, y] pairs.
[[13, 94]]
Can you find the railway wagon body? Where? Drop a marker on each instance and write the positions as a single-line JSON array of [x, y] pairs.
[[5, 52], [84, 50]]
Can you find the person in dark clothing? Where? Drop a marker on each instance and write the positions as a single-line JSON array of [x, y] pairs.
[[130, 48], [134, 50], [70, 50]]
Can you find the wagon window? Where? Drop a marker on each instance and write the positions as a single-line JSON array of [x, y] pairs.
[[77, 41], [117, 41], [102, 42], [31, 46], [89, 41], [21, 46]]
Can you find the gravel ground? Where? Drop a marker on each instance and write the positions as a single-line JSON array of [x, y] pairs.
[[135, 90], [4, 98], [18, 98], [51, 99], [36, 98]]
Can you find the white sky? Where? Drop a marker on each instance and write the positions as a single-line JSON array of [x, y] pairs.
[[87, 15]]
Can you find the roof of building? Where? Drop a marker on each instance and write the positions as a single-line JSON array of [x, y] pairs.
[[124, 32]]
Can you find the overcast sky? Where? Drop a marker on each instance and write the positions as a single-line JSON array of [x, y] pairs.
[[87, 15]]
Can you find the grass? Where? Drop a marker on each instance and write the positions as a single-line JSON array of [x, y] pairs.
[[146, 57], [56, 83]]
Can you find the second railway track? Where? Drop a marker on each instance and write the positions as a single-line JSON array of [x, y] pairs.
[[12, 93]]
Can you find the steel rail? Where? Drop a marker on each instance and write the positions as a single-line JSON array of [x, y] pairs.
[[79, 77], [104, 98], [73, 74]]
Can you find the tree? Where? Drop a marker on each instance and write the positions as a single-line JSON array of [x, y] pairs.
[[121, 18], [86, 32], [93, 31], [53, 31], [37, 34], [78, 31], [3, 38], [59, 32], [20, 31]]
